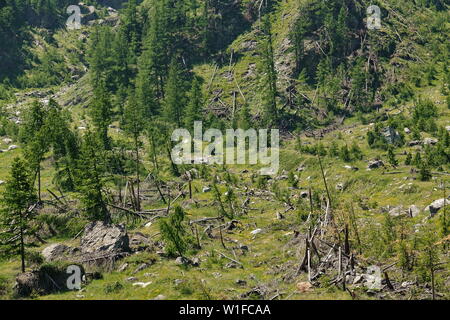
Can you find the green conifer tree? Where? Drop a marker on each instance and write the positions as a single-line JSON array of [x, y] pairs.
[[15, 216]]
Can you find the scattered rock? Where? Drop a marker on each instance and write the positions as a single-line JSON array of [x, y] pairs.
[[13, 147], [304, 194], [177, 282], [256, 231], [243, 247], [182, 261], [304, 287], [206, 189], [142, 284], [139, 242], [280, 216], [55, 252], [195, 262], [413, 211], [407, 284], [7, 141], [100, 237], [123, 267], [358, 279], [241, 282], [437, 205], [232, 265], [340, 187], [141, 267], [131, 279], [160, 297], [351, 168], [397, 211], [430, 141], [375, 164], [407, 130]]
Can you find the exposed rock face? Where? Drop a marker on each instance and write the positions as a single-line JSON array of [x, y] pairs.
[[437, 205], [55, 252], [100, 237]]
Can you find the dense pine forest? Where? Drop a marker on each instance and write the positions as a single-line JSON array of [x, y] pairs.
[[93, 204]]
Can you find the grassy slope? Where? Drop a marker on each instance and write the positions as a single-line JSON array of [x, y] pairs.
[[272, 252]]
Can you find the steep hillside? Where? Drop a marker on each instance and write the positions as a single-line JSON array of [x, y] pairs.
[[364, 119]]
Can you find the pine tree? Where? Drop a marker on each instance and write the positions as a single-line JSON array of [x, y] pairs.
[[16, 217], [145, 90], [344, 153], [157, 49], [244, 118], [131, 29], [175, 99], [101, 113], [409, 159], [194, 110], [391, 157], [90, 176], [123, 58], [133, 124], [35, 136], [100, 57], [428, 258], [424, 172], [64, 144], [174, 234]]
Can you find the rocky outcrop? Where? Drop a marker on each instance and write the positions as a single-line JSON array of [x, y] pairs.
[[55, 252], [100, 237], [436, 206]]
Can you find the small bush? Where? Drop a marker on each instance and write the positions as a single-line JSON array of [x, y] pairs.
[[113, 287]]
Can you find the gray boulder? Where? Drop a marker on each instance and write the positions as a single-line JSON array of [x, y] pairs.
[[430, 141], [413, 211], [397, 211], [55, 252], [437, 205], [100, 237], [375, 164]]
